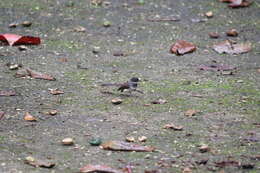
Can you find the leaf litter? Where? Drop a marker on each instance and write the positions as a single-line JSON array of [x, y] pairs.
[[13, 39], [125, 146], [38, 163], [99, 168], [229, 47], [182, 47]]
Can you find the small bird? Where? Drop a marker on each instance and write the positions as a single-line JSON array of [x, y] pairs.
[[130, 85]]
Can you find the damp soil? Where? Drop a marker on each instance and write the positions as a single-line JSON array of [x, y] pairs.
[[228, 104]]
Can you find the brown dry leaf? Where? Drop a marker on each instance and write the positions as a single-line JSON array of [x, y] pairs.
[[56, 91], [172, 126], [151, 171], [29, 117], [232, 33], [225, 163], [7, 93], [191, 112], [38, 75], [258, 70], [38, 163], [63, 59], [182, 47], [213, 35], [2, 114], [99, 168], [231, 48], [125, 146]]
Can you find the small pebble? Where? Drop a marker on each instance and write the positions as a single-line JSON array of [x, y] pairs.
[[142, 138], [68, 141], [130, 139], [209, 14], [26, 23], [116, 101]]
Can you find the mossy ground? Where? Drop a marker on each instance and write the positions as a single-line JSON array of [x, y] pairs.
[[229, 105]]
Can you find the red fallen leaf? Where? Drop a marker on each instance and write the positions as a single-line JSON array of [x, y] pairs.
[[38, 75], [99, 168], [2, 114], [216, 67], [125, 146], [182, 47], [151, 171], [13, 39], [223, 164], [7, 93], [56, 91], [232, 48]]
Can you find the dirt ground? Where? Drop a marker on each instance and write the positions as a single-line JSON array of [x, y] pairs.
[[229, 118]]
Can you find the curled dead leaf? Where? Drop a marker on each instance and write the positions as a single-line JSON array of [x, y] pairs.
[[216, 67], [38, 75], [172, 126], [232, 33], [38, 163], [2, 114], [182, 47], [56, 91], [125, 146], [99, 168], [191, 112], [232, 48], [213, 35]]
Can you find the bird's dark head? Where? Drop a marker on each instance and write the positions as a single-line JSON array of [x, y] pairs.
[[134, 79]]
